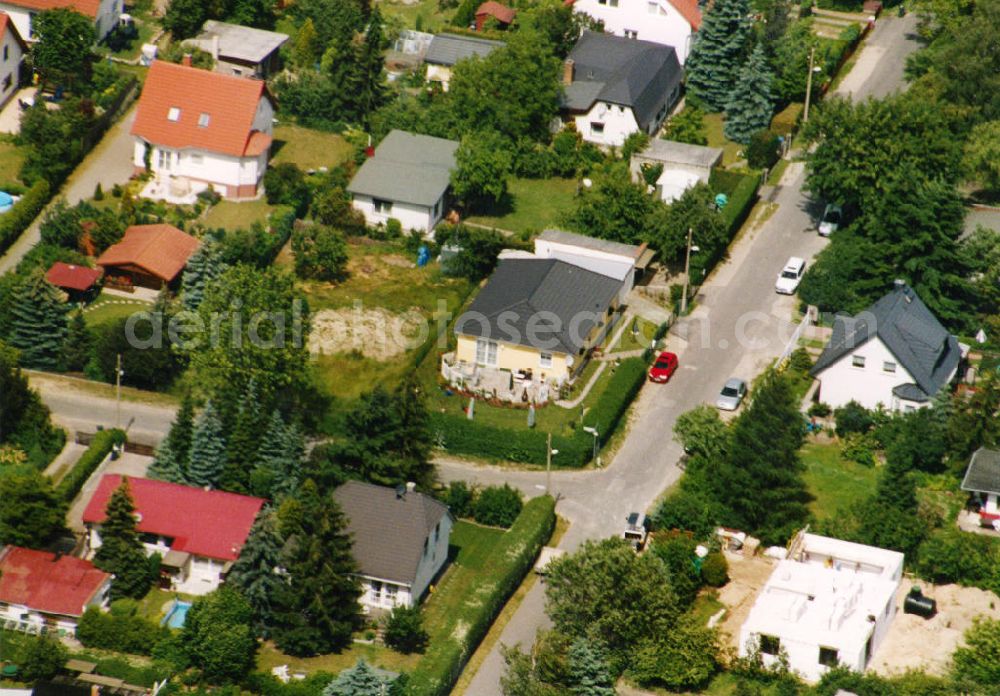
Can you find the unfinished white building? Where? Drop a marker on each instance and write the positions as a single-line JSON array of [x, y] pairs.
[[829, 603]]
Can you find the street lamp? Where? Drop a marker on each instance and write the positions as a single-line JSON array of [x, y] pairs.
[[549, 453], [809, 82], [687, 271], [593, 431]]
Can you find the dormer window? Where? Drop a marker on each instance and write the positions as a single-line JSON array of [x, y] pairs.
[[174, 114], [203, 121]]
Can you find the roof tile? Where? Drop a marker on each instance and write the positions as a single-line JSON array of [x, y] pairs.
[[48, 583], [161, 249]]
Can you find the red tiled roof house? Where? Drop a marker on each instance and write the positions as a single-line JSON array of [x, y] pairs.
[[195, 128], [667, 22], [491, 8], [104, 13], [148, 256], [38, 588], [12, 51], [198, 533]]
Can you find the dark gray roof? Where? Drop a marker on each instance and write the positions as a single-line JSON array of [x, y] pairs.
[[448, 49], [983, 474], [407, 168], [388, 531], [910, 392], [637, 74], [239, 42], [909, 330], [521, 289], [580, 240]]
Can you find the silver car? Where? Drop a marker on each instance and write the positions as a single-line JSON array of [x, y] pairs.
[[830, 221], [732, 394]]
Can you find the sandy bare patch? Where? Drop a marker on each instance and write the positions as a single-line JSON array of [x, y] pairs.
[[376, 333], [398, 261], [746, 577]]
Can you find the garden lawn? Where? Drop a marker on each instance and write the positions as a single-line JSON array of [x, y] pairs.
[[713, 131], [110, 308], [231, 215], [637, 335], [377, 655], [11, 159], [433, 18], [535, 205], [308, 148], [834, 481]]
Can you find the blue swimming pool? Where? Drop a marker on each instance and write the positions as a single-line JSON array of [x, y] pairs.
[[177, 614]]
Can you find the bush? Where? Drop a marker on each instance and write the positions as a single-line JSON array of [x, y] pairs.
[[688, 510], [86, 465], [715, 569], [800, 361], [819, 410], [43, 659], [458, 498], [16, 220], [320, 253], [741, 201], [852, 417], [860, 448], [121, 629], [404, 630], [677, 551], [393, 228], [763, 150], [497, 506], [951, 555], [786, 121], [285, 184], [512, 558]]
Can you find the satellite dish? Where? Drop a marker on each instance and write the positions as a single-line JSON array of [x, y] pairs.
[[569, 361], [587, 183]]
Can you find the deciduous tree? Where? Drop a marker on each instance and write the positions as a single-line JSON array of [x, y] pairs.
[[320, 252], [218, 638], [63, 38], [32, 514], [483, 167]]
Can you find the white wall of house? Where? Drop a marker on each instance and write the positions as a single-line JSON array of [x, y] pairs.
[[211, 167], [434, 557], [28, 617], [647, 20], [383, 594], [864, 375], [10, 66], [606, 124], [412, 217], [108, 14], [439, 73]]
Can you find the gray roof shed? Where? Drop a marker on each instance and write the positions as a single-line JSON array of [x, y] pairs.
[[673, 152], [407, 168], [238, 42], [448, 49], [983, 474]]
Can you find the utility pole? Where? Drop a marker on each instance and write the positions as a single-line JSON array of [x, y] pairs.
[[687, 272], [548, 464], [809, 84], [118, 391]]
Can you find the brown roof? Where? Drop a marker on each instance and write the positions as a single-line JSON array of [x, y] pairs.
[[494, 9], [162, 250], [84, 7], [214, 112], [72, 277]]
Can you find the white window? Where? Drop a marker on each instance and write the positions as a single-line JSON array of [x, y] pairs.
[[545, 359], [376, 590], [390, 593], [174, 114], [597, 128], [631, 34], [770, 645], [486, 352], [829, 657], [858, 360], [613, 3], [382, 207], [203, 120], [197, 158], [651, 7], [888, 366], [164, 160]]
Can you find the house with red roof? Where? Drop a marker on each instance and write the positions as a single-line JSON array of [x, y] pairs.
[[148, 256], [197, 128], [667, 22], [491, 9], [104, 13], [41, 589], [198, 533], [12, 51]]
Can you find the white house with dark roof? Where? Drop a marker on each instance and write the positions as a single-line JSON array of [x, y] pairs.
[[668, 22], [446, 50], [239, 50], [407, 179], [614, 87], [896, 353], [982, 480], [400, 541], [682, 166]]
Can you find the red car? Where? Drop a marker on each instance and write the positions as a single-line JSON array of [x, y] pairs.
[[664, 367]]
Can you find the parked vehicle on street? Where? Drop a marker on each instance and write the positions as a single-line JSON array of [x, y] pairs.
[[830, 222], [790, 276], [732, 394], [663, 368], [636, 530]]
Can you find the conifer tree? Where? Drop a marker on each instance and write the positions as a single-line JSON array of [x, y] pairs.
[[719, 46], [254, 573], [121, 551], [750, 106], [370, 68], [171, 460], [208, 449], [204, 267], [244, 441], [588, 669], [359, 680], [304, 48], [38, 324], [76, 351], [317, 609]]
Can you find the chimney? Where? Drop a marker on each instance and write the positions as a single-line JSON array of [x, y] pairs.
[[568, 71], [215, 47], [410, 486], [186, 60]]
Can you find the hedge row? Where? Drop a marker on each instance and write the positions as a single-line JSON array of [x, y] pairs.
[[462, 436], [741, 201], [16, 220], [88, 462], [786, 121], [511, 559]]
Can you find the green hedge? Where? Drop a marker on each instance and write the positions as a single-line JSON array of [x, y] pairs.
[[787, 120], [511, 560], [88, 462], [16, 220], [462, 436], [741, 201]]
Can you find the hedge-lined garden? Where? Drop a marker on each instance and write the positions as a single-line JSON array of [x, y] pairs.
[[101, 446], [461, 611]]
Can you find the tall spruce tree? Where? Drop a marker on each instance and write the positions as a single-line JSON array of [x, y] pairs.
[[359, 680], [171, 461], [272, 458], [38, 323], [718, 50], [750, 106], [76, 350], [317, 609], [204, 266], [244, 441], [255, 572], [369, 69], [121, 551], [589, 672], [208, 449]]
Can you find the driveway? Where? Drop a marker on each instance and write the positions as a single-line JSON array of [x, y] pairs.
[[109, 163], [738, 327]]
